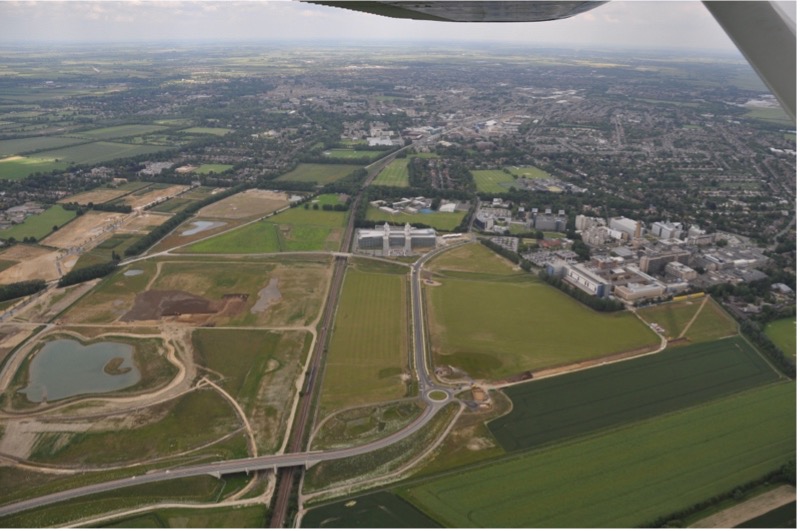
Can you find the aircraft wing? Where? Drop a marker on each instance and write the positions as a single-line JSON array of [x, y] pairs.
[[764, 35]]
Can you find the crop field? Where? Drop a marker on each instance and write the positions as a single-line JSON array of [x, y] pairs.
[[319, 173], [368, 354], [446, 221], [783, 333], [344, 153], [16, 168], [492, 180], [96, 152], [395, 174], [213, 168], [119, 131], [216, 131], [629, 391], [529, 172], [39, 225], [472, 258], [259, 369], [234, 517], [373, 511], [626, 477], [19, 146], [247, 204], [83, 230], [525, 328]]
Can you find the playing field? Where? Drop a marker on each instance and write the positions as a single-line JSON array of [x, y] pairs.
[[395, 174], [446, 221], [96, 152], [318, 173], [783, 333], [213, 168], [517, 324], [39, 225], [529, 172], [578, 403], [626, 477], [492, 181], [368, 354]]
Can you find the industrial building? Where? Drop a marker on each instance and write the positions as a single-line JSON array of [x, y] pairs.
[[389, 240], [664, 230], [627, 226], [583, 278]]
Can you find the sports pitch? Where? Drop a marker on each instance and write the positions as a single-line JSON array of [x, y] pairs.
[[492, 181], [395, 174]]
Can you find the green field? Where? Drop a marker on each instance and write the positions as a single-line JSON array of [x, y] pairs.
[[237, 517], [39, 225], [102, 254], [119, 131], [473, 258], [492, 181], [96, 152], [619, 393], [773, 115], [529, 172], [296, 229], [671, 316], [259, 369], [318, 173], [18, 146], [712, 323], [395, 174], [783, 333], [213, 168], [445, 221], [346, 153], [378, 510], [216, 131], [518, 324], [368, 353], [16, 168], [186, 423], [626, 477]]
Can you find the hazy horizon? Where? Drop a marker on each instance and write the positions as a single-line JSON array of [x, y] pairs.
[[671, 25]]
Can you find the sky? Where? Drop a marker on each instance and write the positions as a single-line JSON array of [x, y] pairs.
[[649, 24]]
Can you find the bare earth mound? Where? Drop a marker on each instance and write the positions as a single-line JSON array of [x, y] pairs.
[[152, 305]]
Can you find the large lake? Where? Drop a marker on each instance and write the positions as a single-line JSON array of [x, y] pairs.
[[65, 368]]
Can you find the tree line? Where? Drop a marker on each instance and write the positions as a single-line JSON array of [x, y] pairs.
[[83, 274], [21, 289]]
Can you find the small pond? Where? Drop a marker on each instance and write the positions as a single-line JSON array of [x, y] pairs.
[[132, 273], [65, 368], [200, 226]]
